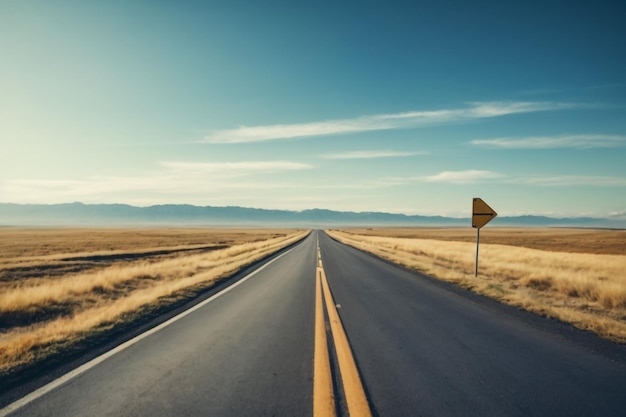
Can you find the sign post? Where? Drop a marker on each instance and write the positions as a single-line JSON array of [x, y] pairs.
[[481, 215]]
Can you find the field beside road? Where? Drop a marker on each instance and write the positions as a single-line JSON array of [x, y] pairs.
[[574, 275], [61, 286]]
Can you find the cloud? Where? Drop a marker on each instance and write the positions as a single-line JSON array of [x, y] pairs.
[[461, 177], [472, 176], [552, 142], [475, 110], [370, 154], [618, 215], [245, 167], [451, 177], [478, 176], [574, 180], [189, 181]]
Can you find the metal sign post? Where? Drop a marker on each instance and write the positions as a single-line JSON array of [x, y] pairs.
[[477, 245], [481, 215]]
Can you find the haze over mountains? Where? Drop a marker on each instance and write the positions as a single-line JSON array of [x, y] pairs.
[[79, 214]]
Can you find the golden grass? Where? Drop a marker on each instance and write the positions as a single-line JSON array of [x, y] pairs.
[[40, 316], [587, 290], [607, 242], [36, 242], [44, 251]]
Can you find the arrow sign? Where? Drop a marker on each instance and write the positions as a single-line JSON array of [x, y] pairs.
[[481, 213]]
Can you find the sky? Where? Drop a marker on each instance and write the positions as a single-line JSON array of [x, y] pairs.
[[403, 107]]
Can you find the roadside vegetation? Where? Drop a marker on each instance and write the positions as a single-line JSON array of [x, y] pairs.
[[530, 268], [58, 287]]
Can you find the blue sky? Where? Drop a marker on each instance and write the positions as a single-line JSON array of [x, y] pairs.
[[405, 107]]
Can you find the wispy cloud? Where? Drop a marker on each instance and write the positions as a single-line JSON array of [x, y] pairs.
[[190, 181], [370, 154], [474, 176], [573, 180], [475, 110], [244, 167], [450, 177], [618, 214], [550, 142], [461, 177]]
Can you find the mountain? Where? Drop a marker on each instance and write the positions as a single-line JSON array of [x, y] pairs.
[[79, 214]]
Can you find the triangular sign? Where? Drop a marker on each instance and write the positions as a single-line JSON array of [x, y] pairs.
[[481, 213]]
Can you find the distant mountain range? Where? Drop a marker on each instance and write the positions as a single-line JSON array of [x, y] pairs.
[[79, 214]]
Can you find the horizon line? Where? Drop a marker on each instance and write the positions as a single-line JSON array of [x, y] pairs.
[[608, 217]]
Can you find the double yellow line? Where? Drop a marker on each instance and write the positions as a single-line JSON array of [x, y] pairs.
[[323, 397]]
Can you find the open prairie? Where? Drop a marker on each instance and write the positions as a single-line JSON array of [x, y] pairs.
[[600, 241], [60, 286], [575, 275]]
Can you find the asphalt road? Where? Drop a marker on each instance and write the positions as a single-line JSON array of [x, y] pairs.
[[422, 349]]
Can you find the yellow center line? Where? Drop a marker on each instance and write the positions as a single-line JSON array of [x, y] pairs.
[[323, 399], [352, 385]]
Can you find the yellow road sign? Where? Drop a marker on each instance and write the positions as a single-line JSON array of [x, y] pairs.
[[481, 213]]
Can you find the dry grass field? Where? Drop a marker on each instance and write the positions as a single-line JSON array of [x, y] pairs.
[[59, 286], [574, 275], [607, 242]]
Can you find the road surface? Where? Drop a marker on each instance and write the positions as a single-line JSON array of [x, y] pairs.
[[419, 348]]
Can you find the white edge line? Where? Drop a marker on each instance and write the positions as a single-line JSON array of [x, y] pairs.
[[40, 392]]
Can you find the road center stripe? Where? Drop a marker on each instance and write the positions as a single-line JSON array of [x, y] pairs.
[[352, 385], [323, 399]]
